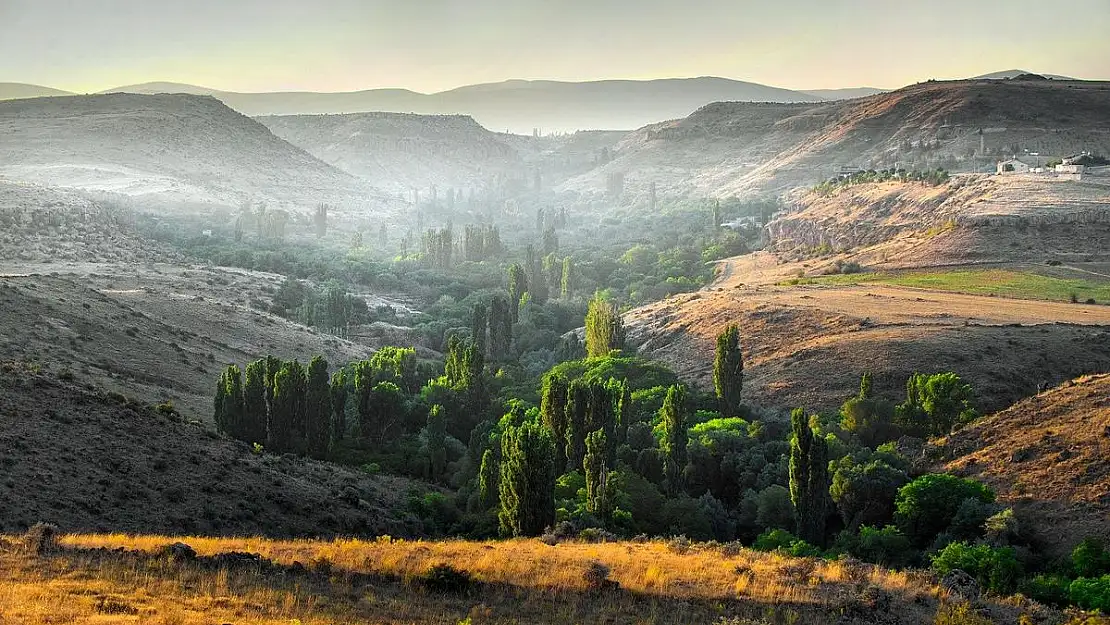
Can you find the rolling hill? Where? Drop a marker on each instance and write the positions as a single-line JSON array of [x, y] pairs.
[[737, 148], [1048, 457], [102, 462], [399, 152], [516, 105], [178, 148], [19, 90]]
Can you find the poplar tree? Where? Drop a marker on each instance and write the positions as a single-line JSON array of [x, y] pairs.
[[318, 409], [675, 434], [809, 479], [287, 408], [567, 282], [339, 404], [255, 409], [604, 327], [436, 432], [553, 413], [527, 487], [489, 481], [622, 417], [500, 329], [518, 286], [594, 467], [228, 403], [479, 324], [728, 371], [577, 417]]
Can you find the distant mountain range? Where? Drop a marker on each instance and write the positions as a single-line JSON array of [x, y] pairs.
[[518, 106], [1014, 73]]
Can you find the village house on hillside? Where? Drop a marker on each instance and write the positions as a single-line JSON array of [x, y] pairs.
[[1012, 166]]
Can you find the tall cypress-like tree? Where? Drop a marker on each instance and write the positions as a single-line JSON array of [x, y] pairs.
[[553, 413], [567, 284], [318, 409], [436, 432], [518, 286], [500, 329], [577, 411], [728, 371], [255, 409], [601, 415], [809, 479], [594, 466], [229, 410], [604, 327], [287, 408], [622, 393], [339, 404], [527, 489], [479, 325], [489, 481], [675, 435]]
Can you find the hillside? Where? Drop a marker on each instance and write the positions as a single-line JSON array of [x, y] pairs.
[[516, 105], [177, 148], [736, 148], [153, 331], [399, 152], [1048, 456], [18, 90], [102, 463]]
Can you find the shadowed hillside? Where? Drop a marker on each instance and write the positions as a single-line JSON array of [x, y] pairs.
[[175, 147], [1048, 456]]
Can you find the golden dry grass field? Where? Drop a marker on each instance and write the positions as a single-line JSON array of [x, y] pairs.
[[108, 579]]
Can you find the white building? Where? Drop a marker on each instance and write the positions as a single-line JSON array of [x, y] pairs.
[[1012, 166]]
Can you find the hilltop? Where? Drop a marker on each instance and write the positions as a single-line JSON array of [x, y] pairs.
[[19, 90], [102, 462], [399, 152], [177, 148], [1048, 457], [738, 148]]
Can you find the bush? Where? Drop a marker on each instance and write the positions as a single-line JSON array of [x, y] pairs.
[[782, 540], [959, 614], [1048, 589], [596, 576], [996, 569], [1091, 593], [446, 578], [926, 506], [1090, 559], [887, 546]]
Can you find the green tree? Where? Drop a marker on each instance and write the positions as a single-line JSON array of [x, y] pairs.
[[926, 506], [728, 371], [934, 404], [339, 404], [287, 409], [489, 480], [500, 329], [566, 288], [577, 420], [318, 409], [809, 479], [870, 419], [229, 409], [596, 472], [604, 327], [436, 432], [479, 325], [864, 493], [674, 415], [255, 410], [553, 413], [518, 286], [527, 490]]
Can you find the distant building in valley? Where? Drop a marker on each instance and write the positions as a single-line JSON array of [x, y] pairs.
[[1012, 166]]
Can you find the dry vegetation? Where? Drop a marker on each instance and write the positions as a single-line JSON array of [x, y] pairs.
[[1048, 456], [118, 579]]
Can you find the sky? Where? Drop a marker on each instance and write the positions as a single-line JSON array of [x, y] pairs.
[[432, 45]]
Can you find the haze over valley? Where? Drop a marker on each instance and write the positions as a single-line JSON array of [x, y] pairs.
[[826, 340]]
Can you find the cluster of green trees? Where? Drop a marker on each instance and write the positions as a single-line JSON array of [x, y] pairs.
[[931, 177]]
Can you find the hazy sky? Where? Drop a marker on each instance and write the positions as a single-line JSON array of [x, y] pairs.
[[430, 45]]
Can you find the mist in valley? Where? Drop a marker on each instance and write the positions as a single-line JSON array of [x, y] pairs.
[[464, 313]]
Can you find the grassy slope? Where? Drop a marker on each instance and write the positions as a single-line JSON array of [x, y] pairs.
[[520, 581], [993, 282]]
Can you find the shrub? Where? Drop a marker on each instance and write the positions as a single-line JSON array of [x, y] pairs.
[[782, 540], [446, 578], [596, 575], [1091, 593], [959, 614], [887, 546], [996, 569], [1090, 559], [926, 506], [1048, 589]]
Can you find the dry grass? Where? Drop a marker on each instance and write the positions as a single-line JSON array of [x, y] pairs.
[[90, 579]]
